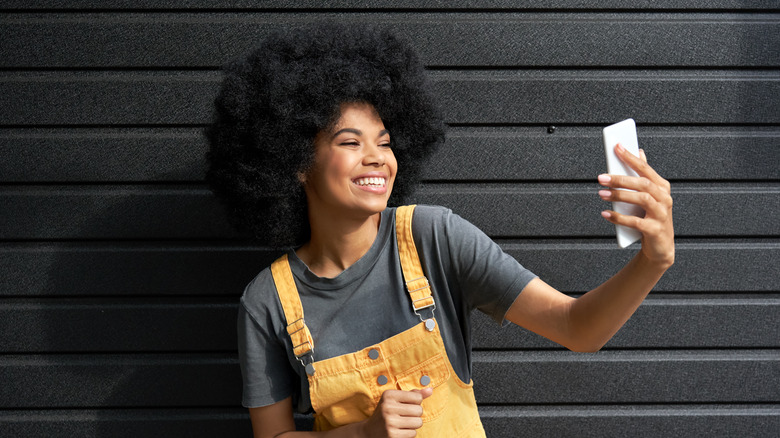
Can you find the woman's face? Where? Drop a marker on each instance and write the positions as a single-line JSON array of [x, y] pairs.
[[354, 166]]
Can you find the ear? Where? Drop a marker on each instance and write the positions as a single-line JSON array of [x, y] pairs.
[[301, 177]]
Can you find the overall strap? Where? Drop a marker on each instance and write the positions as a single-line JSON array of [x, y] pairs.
[[416, 283], [300, 335]]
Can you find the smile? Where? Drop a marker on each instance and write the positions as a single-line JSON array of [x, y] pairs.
[[370, 182]]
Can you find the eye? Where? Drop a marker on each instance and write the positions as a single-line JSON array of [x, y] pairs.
[[353, 143]]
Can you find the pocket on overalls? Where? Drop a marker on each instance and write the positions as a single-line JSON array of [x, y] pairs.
[[340, 399], [433, 373]]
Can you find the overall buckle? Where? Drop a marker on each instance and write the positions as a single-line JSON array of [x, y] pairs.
[[430, 323]]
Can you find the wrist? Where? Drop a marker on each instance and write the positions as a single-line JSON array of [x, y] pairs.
[[659, 264]]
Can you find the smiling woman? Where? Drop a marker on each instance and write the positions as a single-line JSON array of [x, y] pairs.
[[354, 168], [315, 134], [351, 179], [274, 103]]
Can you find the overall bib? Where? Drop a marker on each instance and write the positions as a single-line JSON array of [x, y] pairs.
[[346, 389]]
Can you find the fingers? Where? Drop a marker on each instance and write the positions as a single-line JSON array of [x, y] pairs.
[[652, 206], [646, 194], [648, 182], [622, 219], [402, 403], [652, 193], [399, 412], [649, 191], [639, 164], [415, 396], [640, 184]]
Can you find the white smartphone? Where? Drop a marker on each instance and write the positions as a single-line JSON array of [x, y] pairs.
[[624, 133]]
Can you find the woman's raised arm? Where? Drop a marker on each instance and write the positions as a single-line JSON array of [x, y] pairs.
[[588, 322]]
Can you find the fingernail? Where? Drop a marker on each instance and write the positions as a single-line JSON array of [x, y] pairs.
[[605, 193], [604, 178], [619, 148], [605, 214]]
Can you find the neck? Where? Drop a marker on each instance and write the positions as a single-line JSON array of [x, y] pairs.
[[337, 242]]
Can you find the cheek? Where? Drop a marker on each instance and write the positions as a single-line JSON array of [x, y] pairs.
[[392, 164], [337, 169]]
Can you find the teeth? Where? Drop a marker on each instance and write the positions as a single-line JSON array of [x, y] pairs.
[[376, 182]]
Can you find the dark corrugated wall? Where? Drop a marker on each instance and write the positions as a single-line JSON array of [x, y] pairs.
[[119, 275]]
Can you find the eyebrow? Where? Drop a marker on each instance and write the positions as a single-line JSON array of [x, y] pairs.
[[359, 132]]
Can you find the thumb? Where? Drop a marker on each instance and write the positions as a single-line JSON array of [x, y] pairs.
[[425, 392]]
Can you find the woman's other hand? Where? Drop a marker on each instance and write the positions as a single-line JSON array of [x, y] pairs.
[[398, 414], [653, 194]]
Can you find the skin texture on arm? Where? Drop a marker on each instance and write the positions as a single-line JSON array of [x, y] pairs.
[[397, 415], [587, 323]]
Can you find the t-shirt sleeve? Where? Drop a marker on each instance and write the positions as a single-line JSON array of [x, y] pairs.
[[267, 375], [489, 278]]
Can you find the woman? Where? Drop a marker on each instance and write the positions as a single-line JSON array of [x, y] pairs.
[[366, 321]]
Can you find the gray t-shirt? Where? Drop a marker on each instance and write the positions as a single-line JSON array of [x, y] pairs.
[[368, 303]]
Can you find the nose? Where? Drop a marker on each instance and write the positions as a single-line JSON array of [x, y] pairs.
[[374, 155]]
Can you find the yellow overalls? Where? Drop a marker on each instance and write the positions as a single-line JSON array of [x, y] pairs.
[[345, 389]]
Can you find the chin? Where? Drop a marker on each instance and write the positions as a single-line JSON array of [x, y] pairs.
[[377, 207]]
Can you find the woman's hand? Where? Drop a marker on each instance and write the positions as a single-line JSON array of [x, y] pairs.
[[653, 194], [398, 414]]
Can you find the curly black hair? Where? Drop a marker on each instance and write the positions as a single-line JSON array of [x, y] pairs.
[[274, 101]]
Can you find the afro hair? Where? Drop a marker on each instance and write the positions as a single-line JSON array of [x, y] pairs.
[[273, 102]]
